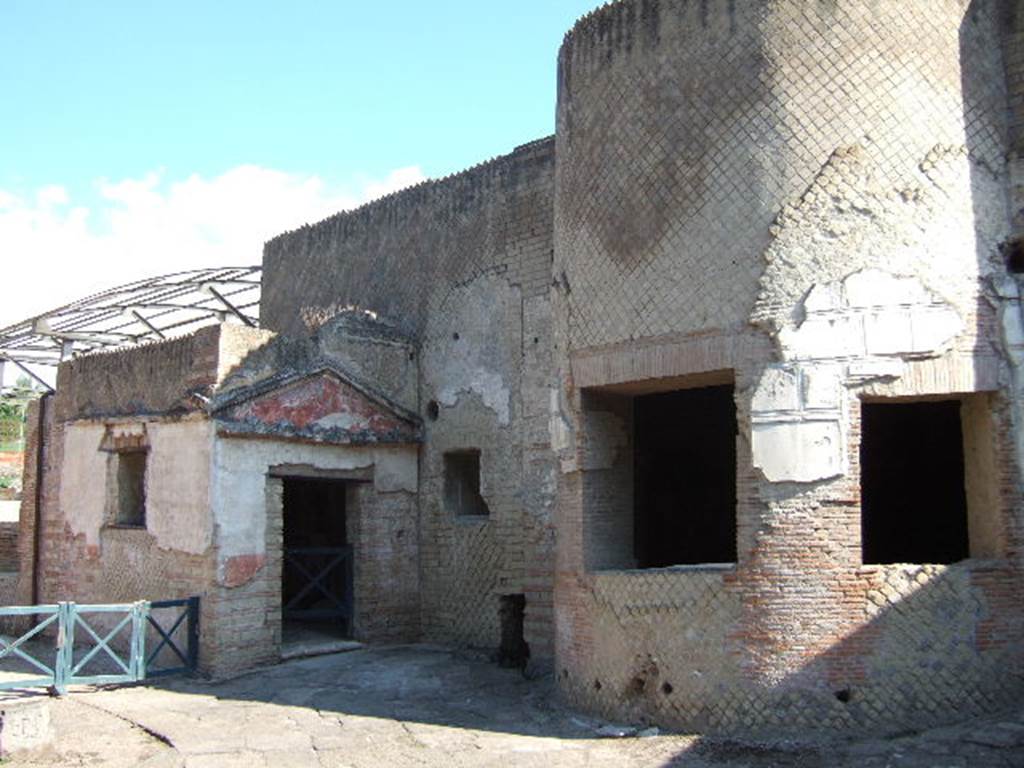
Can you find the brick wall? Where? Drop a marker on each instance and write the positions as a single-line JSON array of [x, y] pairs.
[[758, 158], [401, 256], [9, 546], [36, 426], [152, 378], [463, 265]]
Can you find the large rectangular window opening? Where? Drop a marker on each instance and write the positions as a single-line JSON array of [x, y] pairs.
[[462, 484], [685, 477], [928, 481], [131, 489]]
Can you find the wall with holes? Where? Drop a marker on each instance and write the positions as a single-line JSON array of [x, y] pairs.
[[462, 266], [811, 197], [814, 202]]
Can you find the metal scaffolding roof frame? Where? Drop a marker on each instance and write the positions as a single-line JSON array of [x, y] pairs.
[[147, 310]]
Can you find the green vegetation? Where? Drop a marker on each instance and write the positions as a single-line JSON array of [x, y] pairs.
[[13, 406]]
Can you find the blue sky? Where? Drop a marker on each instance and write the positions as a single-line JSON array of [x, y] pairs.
[[140, 137]]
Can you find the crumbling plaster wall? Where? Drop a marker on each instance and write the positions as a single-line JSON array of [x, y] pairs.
[[246, 506], [142, 397], [470, 356], [84, 557], [463, 266], [371, 350], [177, 481], [813, 197]]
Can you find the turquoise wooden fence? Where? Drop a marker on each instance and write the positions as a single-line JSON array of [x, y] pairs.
[[72, 644]]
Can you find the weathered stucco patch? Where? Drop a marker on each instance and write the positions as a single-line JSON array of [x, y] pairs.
[[848, 332], [859, 215], [487, 384], [797, 415], [559, 430], [83, 481], [177, 480], [870, 313], [178, 485], [479, 316], [799, 451], [396, 469], [240, 569], [238, 499]]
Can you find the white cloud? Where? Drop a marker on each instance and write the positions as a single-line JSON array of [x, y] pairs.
[[55, 250]]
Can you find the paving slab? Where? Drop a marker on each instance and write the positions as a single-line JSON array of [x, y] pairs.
[[426, 706], [86, 736]]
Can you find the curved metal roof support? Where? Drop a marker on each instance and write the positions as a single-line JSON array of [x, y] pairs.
[[151, 309]]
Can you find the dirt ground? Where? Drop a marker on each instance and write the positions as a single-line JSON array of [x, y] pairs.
[[423, 706]]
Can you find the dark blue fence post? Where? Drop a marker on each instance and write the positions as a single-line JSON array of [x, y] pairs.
[[193, 634]]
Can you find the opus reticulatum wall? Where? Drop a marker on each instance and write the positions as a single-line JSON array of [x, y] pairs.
[[809, 200], [810, 211]]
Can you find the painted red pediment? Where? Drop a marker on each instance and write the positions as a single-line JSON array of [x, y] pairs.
[[320, 406]]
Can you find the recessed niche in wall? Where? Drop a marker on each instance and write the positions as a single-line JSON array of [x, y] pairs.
[[462, 483]]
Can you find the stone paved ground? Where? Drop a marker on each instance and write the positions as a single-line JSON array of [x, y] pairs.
[[421, 706]]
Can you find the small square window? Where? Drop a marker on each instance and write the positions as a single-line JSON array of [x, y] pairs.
[[462, 483], [131, 489]]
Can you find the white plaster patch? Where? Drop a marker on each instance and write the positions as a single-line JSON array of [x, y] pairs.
[[888, 332], [861, 371], [559, 431], [798, 451], [933, 329], [240, 468], [466, 354], [824, 298], [822, 337], [822, 386], [871, 313], [489, 386], [875, 288], [797, 412], [178, 485], [778, 390], [83, 480]]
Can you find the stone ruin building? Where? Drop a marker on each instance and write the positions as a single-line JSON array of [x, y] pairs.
[[710, 404]]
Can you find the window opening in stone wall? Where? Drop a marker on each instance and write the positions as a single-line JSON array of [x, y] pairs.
[[685, 477], [316, 572], [913, 493], [131, 489], [462, 483]]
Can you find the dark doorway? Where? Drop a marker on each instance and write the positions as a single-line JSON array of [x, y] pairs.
[[685, 475], [316, 573], [513, 651], [913, 500]]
